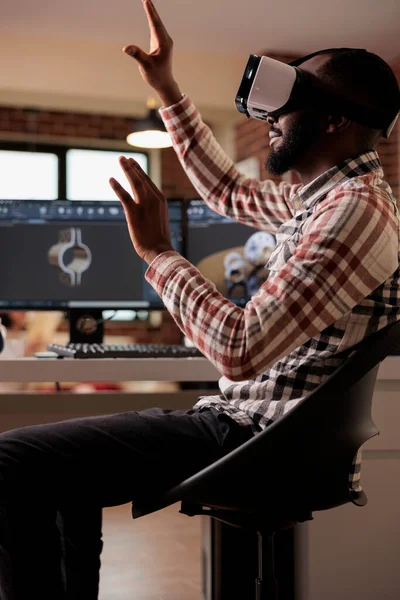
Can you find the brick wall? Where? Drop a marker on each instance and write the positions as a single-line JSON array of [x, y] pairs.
[[175, 183], [252, 140], [58, 125]]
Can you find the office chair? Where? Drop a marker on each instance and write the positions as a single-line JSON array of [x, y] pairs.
[[297, 465]]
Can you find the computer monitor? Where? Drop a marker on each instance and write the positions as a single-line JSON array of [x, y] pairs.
[[75, 256], [233, 256]]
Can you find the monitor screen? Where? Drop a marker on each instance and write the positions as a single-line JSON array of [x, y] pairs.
[[231, 255], [74, 254]]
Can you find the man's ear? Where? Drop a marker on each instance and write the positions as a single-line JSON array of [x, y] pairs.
[[337, 123]]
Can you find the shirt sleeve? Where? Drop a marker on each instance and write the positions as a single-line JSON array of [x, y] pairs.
[[260, 204], [349, 248]]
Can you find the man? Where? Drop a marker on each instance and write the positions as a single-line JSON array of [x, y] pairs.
[[333, 280]]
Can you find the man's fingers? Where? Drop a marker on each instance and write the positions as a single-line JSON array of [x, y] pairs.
[[134, 176], [125, 198], [136, 53], [152, 15], [142, 175], [154, 20], [137, 168], [140, 182]]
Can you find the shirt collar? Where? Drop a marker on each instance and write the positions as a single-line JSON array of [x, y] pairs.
[[324, 183]]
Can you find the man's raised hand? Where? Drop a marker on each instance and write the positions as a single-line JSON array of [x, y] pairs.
[[156, 65]]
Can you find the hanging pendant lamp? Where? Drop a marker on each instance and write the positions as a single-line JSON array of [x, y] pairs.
[[150, 132]]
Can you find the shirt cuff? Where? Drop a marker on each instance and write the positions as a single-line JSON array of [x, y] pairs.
[[180, 119], [169, 112], [162, 267]]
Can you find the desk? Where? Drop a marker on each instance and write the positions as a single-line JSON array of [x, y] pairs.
[[132, 369], [107, 369]]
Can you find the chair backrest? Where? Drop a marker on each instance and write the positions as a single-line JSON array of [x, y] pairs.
[[303, 460]]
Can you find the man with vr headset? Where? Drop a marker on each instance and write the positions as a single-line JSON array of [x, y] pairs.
[[333, 279]]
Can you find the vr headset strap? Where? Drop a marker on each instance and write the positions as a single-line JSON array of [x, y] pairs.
[[359, 114]]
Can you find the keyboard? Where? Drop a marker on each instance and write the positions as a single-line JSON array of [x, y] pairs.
[[124, 351]]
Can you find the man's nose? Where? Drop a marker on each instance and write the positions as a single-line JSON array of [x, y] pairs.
[[271, 120]]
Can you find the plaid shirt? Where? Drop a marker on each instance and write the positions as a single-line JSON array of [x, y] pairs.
[[333, 277]]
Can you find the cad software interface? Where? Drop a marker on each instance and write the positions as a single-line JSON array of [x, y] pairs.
[[73, 254]]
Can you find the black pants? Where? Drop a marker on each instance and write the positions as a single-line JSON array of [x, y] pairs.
[[56, 478]]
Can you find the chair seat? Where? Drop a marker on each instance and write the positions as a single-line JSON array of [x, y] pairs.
[[262, 521]]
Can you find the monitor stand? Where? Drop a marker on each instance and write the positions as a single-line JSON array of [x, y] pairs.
[[85, 326]]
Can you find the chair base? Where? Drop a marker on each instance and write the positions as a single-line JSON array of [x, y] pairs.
[[266, 582], [239, 563]]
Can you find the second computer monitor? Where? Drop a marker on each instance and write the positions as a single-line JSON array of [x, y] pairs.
[[233, 256]]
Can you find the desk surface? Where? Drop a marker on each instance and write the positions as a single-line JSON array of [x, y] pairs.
[[107, 369], [131, 369]]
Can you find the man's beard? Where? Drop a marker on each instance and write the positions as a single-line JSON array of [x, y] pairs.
[[300, 137]]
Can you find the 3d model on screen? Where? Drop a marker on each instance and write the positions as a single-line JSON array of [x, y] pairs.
[[236, 271], [246, 270], [70, 255], [257, 251]]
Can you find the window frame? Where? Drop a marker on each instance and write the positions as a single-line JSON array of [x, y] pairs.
[[60, 150]]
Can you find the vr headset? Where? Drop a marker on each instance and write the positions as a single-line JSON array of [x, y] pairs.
[[270, 88]]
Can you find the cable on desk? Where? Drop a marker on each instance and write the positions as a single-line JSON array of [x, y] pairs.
[[99, 321], [58, 386]]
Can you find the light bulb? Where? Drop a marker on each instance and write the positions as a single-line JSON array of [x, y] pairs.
[[149, 139]]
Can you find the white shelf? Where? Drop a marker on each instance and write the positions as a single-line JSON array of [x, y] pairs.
[[131, 369], [104, 369]]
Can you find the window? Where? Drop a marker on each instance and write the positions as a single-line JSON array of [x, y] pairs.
[[88, 173], [50, 172], [28, 175]]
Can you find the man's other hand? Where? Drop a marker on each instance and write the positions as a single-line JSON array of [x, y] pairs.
[[146, 212]]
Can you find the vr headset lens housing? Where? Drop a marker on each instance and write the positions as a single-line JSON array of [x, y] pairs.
[[268, 74], [270, 87]]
